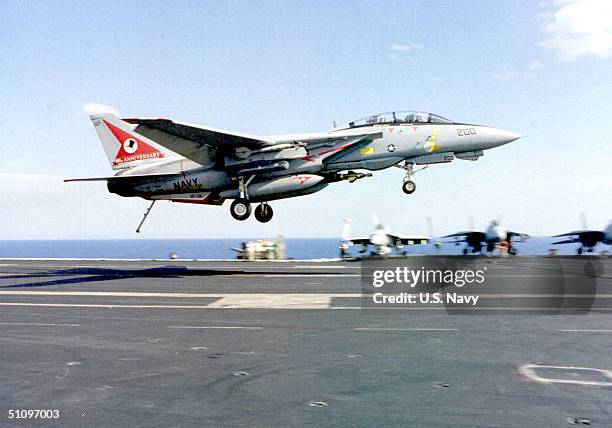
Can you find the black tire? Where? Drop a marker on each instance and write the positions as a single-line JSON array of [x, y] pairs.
[[240, 209], [409, 187], [263, 213]]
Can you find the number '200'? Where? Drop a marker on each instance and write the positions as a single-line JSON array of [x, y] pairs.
[[466, 131]]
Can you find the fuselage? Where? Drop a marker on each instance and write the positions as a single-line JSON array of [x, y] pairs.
[[495, 233], [394, 140]]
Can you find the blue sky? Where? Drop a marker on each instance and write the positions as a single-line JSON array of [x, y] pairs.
[[539, 69]]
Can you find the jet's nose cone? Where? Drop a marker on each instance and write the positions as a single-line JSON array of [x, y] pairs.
[[499, 137], [495, 137]]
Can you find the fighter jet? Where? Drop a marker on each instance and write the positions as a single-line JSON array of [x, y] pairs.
[[587, 238], [382, 239], [495, 234], [164, 159]]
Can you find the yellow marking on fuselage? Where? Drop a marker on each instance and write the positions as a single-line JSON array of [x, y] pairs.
[[431, 145]]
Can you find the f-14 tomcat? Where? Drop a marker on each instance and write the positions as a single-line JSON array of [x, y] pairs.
[[163, 159], [587, 239]]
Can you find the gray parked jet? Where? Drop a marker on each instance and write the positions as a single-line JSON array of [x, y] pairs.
[[587, 239], [163, 159], [495, 234]]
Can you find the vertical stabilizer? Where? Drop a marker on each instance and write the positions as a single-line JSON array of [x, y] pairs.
[[125, 148], [346, 228]]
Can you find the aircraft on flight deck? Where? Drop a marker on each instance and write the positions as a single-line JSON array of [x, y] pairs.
[[494, 234], [163, 159], [586, 238], [382, 239]]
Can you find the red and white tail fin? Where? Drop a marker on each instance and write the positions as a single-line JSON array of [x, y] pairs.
[[124, 147]]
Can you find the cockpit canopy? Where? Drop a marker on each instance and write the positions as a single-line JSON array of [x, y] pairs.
[[399, 117]]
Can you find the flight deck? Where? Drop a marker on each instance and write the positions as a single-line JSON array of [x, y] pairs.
[[185, 343]]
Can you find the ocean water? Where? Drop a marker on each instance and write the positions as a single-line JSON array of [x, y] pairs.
[[221, 248]]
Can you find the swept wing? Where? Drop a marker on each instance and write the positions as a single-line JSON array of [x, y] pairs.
[[203, 144], [467, 235]]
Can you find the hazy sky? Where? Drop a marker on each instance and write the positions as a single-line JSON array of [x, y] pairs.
[[539, 69]]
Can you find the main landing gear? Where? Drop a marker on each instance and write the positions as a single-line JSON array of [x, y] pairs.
[[263, 213], [409, 186], [241, 210], [241, 207]]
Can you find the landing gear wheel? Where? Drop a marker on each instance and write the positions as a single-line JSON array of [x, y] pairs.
[[263, 213], [240, 209], [409, 187]]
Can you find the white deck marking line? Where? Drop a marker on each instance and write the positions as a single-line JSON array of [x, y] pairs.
[[262, 295], [164, 294], [585, 331], [39, 324], [222, 301], [304, 275], [110, 306], [228, 327], [404, 329], [528, 371], [274, 301], [113, 306], [258, 305]]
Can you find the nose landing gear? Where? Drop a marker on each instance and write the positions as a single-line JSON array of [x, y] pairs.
[[409, 186]]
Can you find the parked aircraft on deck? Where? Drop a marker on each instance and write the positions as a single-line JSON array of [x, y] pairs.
[[495, 234], [381, 240], [587, 239]]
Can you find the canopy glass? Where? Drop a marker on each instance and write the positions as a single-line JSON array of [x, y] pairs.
[[399, 117]]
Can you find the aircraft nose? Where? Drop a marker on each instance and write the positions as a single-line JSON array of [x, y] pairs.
[[498, 137]]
